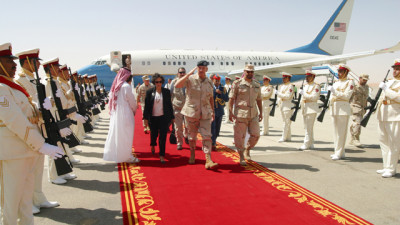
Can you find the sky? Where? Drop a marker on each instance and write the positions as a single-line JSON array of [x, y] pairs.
[[79, 32]]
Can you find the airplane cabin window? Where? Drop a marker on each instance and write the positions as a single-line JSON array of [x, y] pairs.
[[222, 63], [263, 63], [143, 63], [232, 63], [174, 63], [169, 63], [259, 64], [148, 63], [212, 63], [227, 63], [184, 63], [272, 63], [179, 63], [267, 63], [163, 63]]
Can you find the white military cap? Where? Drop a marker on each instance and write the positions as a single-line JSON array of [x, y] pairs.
[[6, 51], [284, 74], [91, 76], [51, 62], [343, 67], [249, 67], [396, 63], [265, 77], [84, 76], [145, 77], [309, 72], [31, 53]]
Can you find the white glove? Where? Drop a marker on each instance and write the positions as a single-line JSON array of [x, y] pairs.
[[301, 92], [77, 87], [65, 132], [389, 83], [80, 118], [47, 104], [86, 118], [52, 151], [383, 86], [58, 93], [92, 89], [87, 88], [331, 89]]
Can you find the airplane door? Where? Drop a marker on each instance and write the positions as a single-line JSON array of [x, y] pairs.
[[115, 60]]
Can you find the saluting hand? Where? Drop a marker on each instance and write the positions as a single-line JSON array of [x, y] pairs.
[[192, 71]]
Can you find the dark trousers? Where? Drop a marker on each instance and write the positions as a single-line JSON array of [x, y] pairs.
[[158, 128], [215, 128]]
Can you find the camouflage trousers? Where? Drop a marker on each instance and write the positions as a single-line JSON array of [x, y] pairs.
[[180, 127], [355, 127], [241, 126], [202, 126]]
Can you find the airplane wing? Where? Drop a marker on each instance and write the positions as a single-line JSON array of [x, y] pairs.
[[298, 67]]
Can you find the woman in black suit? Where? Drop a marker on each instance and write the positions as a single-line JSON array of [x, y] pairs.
[[158, 113]]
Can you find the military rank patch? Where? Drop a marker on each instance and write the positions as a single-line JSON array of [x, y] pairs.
[[4, 102]]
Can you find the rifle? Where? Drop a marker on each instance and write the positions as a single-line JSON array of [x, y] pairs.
[[71, 139], [272, 112], [63, 165], [81, 108], [296, 107], [324, 106], [372, 107]]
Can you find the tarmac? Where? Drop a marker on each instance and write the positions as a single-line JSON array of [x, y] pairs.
[[352, 183]]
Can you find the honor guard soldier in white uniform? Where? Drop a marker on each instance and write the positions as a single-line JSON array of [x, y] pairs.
[[69, 94], [310, 95], [358, 102], [267, 92], [246, 97], [228, 87], [141, 96], [178, 96], [341, 92], [285, 96], [21, 144], [198, 109], [53, 67], [389, 122], [26, 79]]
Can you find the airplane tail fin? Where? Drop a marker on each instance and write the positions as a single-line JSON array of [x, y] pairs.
[[332, 37]]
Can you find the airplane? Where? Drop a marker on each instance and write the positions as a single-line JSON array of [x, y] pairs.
[[326, 48]]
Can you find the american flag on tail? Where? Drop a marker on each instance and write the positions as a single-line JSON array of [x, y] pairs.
[[341, 27]]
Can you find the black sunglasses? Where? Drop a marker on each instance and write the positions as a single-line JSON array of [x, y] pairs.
[[158, 82], [182, 72]]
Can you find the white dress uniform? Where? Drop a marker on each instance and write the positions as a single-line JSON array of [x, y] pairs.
[[25, 79], [311, 92], [266, 94], [227, 88], [389, 127], [341, 112], [20, 142], [52, 171], [285, 96]]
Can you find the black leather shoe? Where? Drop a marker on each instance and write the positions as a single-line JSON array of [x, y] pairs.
[[153, 151], [187, 140]]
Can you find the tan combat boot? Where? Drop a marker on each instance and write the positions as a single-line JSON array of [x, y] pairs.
[[209, 163], [247, 154], [192, 154], [242, 162]]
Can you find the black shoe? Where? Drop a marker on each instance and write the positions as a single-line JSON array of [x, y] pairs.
[[153, 150], [187, 140]]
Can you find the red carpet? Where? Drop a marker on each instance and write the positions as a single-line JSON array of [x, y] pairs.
[[177, 193]]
